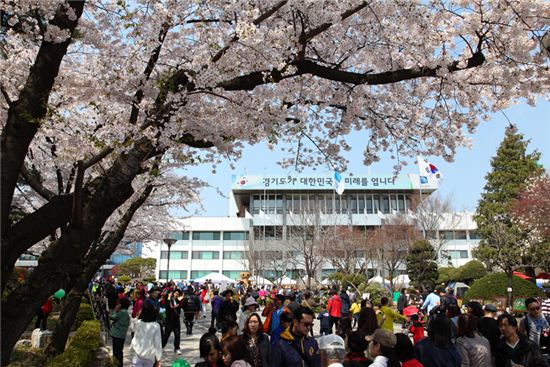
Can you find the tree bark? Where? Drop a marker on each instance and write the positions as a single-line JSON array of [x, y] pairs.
[[31, 229], [25, 114], [94, 260], [62, 260]]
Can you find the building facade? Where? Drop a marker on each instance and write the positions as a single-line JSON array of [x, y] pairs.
[[268, 215]]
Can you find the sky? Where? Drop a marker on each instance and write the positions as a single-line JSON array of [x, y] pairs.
[[463, 179]]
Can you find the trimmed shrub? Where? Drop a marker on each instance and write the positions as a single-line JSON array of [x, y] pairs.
[[495, 285], [82, 347], [124, 279], [85, 313]]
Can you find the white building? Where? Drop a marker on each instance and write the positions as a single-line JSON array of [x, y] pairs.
[[267, 209]]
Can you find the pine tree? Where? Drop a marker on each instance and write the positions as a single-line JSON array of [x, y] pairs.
[[503, 243], [421, 267]]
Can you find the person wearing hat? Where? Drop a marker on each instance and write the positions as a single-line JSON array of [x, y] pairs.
[[381, 348], [228, 309], [488, 326], [332, 350], [250, 306]]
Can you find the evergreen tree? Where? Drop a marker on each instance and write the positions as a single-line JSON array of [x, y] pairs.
[[503, 243], [421, 267]]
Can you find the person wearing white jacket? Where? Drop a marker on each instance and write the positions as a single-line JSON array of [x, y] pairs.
[[147, 342]]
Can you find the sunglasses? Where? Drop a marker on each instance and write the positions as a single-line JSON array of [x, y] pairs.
[[534, 308], [307, 324]]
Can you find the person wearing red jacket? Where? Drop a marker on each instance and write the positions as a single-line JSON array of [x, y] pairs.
[[334, 309], [417, 329], [43, 313]]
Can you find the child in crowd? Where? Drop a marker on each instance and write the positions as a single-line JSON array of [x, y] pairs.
[[325, 321], [416, 328]]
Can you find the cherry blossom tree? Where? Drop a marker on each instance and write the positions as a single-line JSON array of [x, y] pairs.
[[98, 94]]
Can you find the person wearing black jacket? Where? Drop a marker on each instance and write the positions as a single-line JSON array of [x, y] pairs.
[[514, 348], [488, 326], [257, 343], [228, 309], [191, 308], [173, 304]]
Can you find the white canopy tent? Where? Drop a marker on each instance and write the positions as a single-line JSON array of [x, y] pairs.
[[258, 280], [378, 279], [285, 281], [215, 278], [401, 281]]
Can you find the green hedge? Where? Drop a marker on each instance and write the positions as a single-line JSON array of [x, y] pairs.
[[495, 285], [82, 348], [85, 313]]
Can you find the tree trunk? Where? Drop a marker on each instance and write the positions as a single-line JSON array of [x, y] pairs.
[[64, 324], [63, 260]]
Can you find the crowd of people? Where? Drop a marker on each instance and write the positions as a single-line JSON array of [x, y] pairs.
[[273, 328]]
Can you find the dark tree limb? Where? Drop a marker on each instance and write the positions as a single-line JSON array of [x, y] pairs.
[[93, 261], [25, 114]]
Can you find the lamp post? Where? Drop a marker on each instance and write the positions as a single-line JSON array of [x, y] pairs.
[[169, 242]]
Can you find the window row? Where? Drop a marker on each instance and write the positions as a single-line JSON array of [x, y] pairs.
[[455, 235], [199, 255], [331, 203], [210, 235]]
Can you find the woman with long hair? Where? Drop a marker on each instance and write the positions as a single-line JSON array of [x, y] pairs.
[[257, 342], [437, 349], [474, 349], [368, 322], [235, 353], [210, 350], [404, 350]]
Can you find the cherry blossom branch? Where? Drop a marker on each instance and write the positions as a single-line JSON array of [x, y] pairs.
[[138, 97], [256, 21]]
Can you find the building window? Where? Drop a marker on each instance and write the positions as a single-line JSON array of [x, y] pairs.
[[273, 255], [457, 254], [393, 201], [474, 235], [268, 232], [385, 204], [233, 255], [206, 236], [180, 235], [233, 274], [174, 274], [401, 203], [174, 255], [28, 257], [460, 235], [268, 204], [206, 255], [370, 205], [446, 235], [235, 236], [200, 273]]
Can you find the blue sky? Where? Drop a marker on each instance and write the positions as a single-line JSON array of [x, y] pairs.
[[463, 179]]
